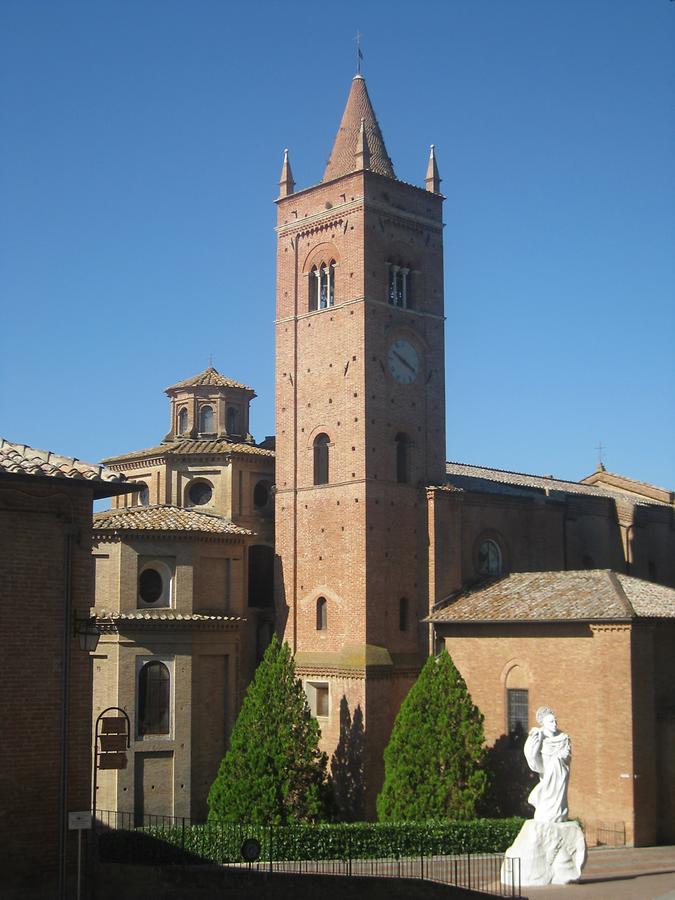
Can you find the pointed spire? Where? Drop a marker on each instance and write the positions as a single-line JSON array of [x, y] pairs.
[[286, 183], [344, 157], [432, 180], [362, 149]]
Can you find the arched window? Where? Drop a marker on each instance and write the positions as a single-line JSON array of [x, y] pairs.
[[206, 420], [322, 285], [402, 460], [400, 286], [182, 421], [321, 445], [489, 559], [144, 496], [403, 614], [154, 698], [232, 420], [321, 614]]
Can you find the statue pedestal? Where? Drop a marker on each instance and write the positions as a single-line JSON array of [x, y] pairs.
[[549, 853]]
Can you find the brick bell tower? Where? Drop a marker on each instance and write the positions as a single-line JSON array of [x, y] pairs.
[[360, 433]]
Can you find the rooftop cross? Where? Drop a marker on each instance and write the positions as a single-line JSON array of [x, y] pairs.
[[600, 448], [359, 54]]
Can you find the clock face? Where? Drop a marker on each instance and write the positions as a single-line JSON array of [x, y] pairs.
[[403, 361]]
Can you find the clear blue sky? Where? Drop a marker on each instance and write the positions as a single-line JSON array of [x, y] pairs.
[[140, 149]]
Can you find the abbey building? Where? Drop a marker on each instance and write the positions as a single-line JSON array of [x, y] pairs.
[[365, 549]]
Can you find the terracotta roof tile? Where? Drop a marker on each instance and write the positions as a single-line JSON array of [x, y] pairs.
[[193, 447], [559, 596], [483, 478], [163, 616], [164, 518], [20, 459], [342, 159], [210, 377]]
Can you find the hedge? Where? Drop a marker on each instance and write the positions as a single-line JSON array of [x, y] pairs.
[[360, 840]]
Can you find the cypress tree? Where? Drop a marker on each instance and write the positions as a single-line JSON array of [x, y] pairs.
[[433, 759], [274, 772]]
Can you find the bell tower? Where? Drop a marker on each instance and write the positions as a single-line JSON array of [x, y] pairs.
[[360, 431]]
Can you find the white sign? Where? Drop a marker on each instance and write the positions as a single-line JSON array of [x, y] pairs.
[[79, 821]]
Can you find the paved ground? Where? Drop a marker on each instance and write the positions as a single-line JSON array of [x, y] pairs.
[[625, 873]]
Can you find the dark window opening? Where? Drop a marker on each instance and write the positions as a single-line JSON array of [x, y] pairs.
[[150, 585], [321, 699], [232, 421], [154, 695], [261, 494], [261, 576], [321, 614], [403, 614], [402, 445], [321, 445], [517, 715]]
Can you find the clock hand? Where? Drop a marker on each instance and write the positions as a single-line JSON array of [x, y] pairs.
[[404, 361]]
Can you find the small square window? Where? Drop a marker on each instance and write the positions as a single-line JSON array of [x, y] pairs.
[[318, 698]]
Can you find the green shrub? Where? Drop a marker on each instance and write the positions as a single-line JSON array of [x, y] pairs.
[[433, 763], [221, 843], [274, 771]]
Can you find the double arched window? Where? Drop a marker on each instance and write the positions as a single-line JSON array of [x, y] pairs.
[[206, 420], [322, 285], [400, 285], [154, 698], [321, 452]]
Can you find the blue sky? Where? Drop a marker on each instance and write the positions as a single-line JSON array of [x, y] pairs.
[[140, 149]]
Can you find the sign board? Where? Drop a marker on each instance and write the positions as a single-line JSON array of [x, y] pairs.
[[112, 742], [112, 760], [113, 725], [79, 821]]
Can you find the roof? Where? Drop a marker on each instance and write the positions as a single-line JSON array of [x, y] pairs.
[[164, 518], [481, 478], [209, 377], [478, 478], [191, 447], [630, 488], [588, 595], [20, 459], [342, 159]]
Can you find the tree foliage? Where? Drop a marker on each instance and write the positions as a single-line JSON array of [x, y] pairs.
[[274, 772], [434, 756]]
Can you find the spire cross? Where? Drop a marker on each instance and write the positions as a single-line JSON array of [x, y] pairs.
[[600, 448], [210, 360], [359, 54]]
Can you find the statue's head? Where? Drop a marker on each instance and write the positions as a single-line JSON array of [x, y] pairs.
[[546, 718]]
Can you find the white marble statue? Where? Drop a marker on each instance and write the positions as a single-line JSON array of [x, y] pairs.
[[549, 849], [548, 753]]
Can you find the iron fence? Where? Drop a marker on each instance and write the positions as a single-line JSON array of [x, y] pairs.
[[299, 849]]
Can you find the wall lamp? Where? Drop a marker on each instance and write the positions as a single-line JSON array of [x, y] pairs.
[[88, 632]]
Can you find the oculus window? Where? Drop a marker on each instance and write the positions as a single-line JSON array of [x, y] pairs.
[[199, 493]]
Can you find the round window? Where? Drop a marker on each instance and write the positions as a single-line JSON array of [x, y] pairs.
[[200, 493], [150, 585], [261, 494]]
